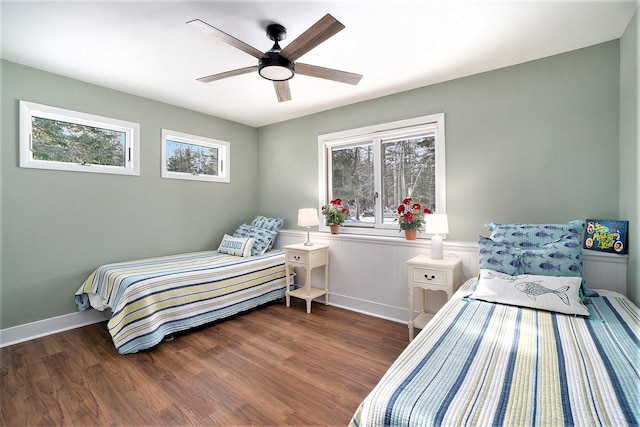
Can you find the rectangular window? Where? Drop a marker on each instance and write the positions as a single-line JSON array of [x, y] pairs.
[[55, 138], [374, 169], [194, 157]]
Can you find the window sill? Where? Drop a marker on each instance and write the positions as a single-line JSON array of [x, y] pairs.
[[422, 239], [391, 233]]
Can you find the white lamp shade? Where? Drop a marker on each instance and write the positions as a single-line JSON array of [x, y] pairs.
[[436, 224], [308, 217]]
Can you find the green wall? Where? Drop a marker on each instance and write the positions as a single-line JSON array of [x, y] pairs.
[[630, 149], [544, 141], [58, 226], [537, 142]]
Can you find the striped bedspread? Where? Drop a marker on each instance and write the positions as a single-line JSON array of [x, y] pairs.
[[154, 297], [480, 363]]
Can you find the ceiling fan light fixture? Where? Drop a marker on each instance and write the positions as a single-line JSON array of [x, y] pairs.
[[275, 67]]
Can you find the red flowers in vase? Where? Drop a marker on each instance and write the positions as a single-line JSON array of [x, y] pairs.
[[411, 215], [334, 213]]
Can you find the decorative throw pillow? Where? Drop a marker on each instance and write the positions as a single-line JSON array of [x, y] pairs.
[[238, 246], [560, 258], [498, 256], [557, 294], [529, 236], [263, 238], [273, 224]]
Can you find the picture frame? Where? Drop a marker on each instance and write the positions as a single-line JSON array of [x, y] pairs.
[[605, 235]]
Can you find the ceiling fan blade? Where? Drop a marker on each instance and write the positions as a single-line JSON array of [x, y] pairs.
[[220, 76], [221, 35], [328, 73], [316, 34], [282, 90]]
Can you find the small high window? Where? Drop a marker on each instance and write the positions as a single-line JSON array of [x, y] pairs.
[[192, 157], [59, 139]]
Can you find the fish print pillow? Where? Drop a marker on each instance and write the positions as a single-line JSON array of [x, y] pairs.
[[498, 256], [263, 238], [532, 236], [560, 258], [557, 294]]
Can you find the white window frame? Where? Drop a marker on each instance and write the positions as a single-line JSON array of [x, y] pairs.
[[29, 110], [434, 122], [224, 156]]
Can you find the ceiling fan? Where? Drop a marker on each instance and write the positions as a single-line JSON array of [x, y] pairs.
[[277, 64]]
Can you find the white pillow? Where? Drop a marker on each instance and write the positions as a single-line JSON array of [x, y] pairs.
[[559, 294], [238, 246]]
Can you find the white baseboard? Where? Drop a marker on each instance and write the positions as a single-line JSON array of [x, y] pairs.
[[374, 309], [41, 328]]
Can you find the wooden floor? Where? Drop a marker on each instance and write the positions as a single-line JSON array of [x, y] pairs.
[[271, 366]]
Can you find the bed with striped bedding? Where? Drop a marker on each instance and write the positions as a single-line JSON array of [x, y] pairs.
[[155, 297], [481, 363]]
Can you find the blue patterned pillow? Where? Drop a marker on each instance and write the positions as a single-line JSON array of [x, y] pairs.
[[560, 258], [263, 238], [273, 224], [499, 256], [530, 236]]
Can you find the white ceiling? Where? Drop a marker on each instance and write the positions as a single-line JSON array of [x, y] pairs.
[[145, 48]]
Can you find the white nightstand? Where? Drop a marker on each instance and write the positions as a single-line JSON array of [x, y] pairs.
[[307, 257], [433, 275]]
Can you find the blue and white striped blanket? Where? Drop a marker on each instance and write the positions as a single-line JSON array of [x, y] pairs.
[[480, 363], [151, 298]]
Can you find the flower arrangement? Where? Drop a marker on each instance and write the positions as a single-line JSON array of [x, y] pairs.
[[334, 213], [411, 215]]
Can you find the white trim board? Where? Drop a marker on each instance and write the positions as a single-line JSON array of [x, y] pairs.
[[369, 274], [53, 325]]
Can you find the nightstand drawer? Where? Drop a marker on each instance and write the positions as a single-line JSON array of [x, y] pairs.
[[297, 257], [429, 276]]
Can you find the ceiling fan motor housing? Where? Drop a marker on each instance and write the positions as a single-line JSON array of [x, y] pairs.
[[276, 67], [276, 32]]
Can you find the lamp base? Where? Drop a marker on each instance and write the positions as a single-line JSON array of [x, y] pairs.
[[436, 246], [308, 242]]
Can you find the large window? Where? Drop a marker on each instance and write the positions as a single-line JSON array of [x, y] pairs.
[[374, 169], [192, 157], [55, 138]]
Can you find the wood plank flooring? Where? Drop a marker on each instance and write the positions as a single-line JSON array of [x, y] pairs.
[[271, 366]]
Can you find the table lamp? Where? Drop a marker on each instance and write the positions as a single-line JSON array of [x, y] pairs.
[[308, 217], [436, 224]]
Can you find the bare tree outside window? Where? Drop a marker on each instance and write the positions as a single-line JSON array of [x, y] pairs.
[[408, 170], [55, 140], [353, 180], [193, 159]]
